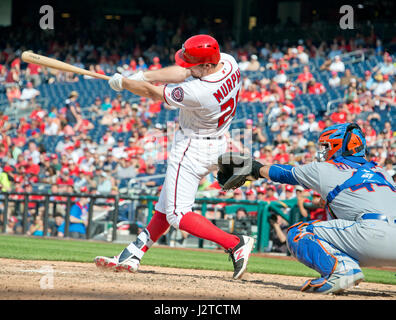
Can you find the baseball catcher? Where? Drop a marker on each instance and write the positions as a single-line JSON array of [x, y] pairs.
[[360, 197]]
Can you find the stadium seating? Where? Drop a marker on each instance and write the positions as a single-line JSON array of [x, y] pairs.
[[55, 95]]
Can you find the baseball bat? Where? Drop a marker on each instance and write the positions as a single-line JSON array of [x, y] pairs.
[[35, 58]]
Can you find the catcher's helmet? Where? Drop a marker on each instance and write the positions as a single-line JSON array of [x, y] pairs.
[[345, 139], [198, 50]]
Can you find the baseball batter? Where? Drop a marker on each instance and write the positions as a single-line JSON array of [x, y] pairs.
[[204, 84], [360, 197]]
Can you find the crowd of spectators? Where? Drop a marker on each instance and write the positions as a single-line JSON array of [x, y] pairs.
[[282, 134]]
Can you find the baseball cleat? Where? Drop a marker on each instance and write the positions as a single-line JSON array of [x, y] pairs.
[[106, 263], [127, 262], [240, 255], [335, 283]]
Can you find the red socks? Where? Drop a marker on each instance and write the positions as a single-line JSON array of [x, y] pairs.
[[201, 227], [157, 227], [194, 224]]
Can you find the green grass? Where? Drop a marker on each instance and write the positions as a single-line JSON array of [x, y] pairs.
[[27, 248]]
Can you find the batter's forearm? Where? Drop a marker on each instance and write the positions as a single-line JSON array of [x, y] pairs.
[[143, 89], [172, 74]]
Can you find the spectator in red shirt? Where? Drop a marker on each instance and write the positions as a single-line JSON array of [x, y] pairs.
[[251, 95], [282, 156], [13, 93], [266, 155], [73, 169], [13, 76], [64, 179], [370, 133], [315, 87], [270, 193], [16, 63], [32, 168], [23, 127], [33, 74], [354, 107], [291, 90], [304, 77], [99, 70], [277, 91], [156, 64], [340, 115]]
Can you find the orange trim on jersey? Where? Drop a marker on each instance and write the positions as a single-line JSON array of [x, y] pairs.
[[339, 165]]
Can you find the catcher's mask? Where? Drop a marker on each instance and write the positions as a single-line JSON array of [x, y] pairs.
[[341, 140]]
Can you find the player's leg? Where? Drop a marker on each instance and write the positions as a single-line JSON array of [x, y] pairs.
[[371, 242], [181, 190], [129, 258], [338, 270]]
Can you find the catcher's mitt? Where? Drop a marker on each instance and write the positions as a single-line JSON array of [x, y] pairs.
[[235, 169]]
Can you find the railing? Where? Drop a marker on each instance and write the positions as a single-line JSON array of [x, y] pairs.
[[331, 103], [263, 209]]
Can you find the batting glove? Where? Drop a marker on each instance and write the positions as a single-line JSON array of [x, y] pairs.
[[116, 82], [138, 76]]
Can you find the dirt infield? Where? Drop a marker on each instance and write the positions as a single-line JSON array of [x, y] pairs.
[[31, 280]]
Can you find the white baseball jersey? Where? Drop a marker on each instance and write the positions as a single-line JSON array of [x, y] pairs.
[[207, 105]]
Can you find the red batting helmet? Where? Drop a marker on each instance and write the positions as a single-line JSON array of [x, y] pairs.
[[198, 50]]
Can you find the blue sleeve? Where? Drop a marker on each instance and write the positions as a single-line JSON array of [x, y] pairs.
[[75, 212], [282, 173], [61, 228]]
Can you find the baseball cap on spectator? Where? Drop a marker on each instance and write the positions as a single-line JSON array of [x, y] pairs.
[[249, 192], [261, 190], [367, 73], [311, 116], [21, 164], [299, 188], [316, 194], [237, 191], [260, 115], [282, 147], [249, 121], [84, 189], [289, 188], [271, 187], [156, 59], [13, 219], [300, 115]]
